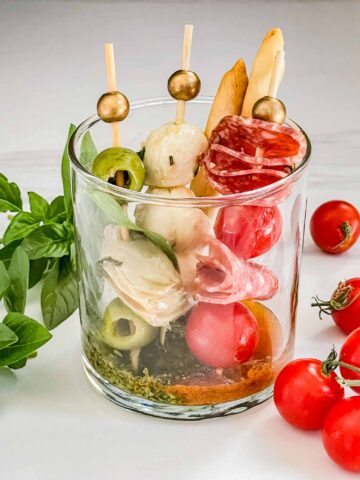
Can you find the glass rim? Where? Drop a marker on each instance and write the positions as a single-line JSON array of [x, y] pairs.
[[201, 202]]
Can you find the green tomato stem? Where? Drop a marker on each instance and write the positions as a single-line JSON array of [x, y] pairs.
[[331, 364], [346, 230], [347, 383], [338, 363]]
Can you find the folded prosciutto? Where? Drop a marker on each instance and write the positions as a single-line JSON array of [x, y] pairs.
[[221, 277], [247, 153]]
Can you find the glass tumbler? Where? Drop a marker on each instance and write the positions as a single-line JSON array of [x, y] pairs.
[[187, 304]]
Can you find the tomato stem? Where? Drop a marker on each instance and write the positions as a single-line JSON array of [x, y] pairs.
[[347, 383], [340, 300], [346, 230], [338, 363], [331, 364]]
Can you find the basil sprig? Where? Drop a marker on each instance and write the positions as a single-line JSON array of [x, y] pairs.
[[37, 246]]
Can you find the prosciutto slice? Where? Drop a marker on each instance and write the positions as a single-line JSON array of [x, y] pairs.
[[246, 153], [221, 277]]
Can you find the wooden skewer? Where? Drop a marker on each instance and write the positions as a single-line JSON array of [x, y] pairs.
[[111, 80], [274, 84], [185, 65]]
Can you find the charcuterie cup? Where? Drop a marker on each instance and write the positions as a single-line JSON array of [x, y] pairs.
[[187, 304]]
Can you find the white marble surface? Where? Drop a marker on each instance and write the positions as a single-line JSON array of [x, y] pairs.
[[53, 426]]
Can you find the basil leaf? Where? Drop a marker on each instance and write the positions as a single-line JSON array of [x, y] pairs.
[[19, 364], [7, 252], [37, 268], [56, 210], [20, 227], [10, 197], [4, 280], [18, 271], [38, 206], [88, 151], [59, 294], [116, 214], [65, 174], [50, 240], [7, 336], [31, 335]]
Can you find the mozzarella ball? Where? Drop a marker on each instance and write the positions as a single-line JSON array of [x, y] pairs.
[[184, 228], [171, 154]]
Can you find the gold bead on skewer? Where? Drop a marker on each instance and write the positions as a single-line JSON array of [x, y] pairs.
[[113, 107], [269, 109], [184, 85]]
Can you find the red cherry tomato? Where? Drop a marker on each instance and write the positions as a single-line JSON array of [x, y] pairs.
[[350, 353], [341, 433], [344, 305], [303, 395], [335, 226], [248, 230], [221, 336]]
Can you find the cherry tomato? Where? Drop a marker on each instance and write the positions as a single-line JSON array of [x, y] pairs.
[[341, 433], [335, 226], [350, 353], [303, 395], [221, 336], [344, 305], [248, 230]]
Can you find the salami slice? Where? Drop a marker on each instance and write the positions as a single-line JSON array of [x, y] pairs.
[[246, 153], [221, 277]]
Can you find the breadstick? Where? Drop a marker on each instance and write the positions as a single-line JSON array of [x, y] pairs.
[[262, 68], [229, 97], [228, 101]]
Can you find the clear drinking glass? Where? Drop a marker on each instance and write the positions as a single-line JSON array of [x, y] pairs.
[[151, 369]]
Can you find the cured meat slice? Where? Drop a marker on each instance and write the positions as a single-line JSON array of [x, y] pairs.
[[246, 153], [221, 277]]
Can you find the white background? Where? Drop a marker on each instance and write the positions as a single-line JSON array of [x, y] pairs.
[[52, 424]]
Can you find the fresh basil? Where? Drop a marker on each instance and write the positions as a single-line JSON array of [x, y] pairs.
[[66, 176], [37, 269], [21, 225], [88, 151], [10, 197], [7, 336], [18, 272], [56, 212], [19, 364], [38, 206], [117, 214], [59, 294], [31, 335], [38, 244], [4, 280], [52, 240], [7, 252]]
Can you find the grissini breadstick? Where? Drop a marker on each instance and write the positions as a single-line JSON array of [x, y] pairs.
[[229, 97], [262, 68], [228, 101]]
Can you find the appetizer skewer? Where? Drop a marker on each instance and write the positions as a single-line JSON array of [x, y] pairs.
[[113, 107], [184, 85], [270, 108]]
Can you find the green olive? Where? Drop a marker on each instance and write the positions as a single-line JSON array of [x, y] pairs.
[[123, 329], [117, 159]]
